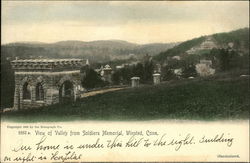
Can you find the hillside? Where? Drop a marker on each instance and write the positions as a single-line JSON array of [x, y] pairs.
[[112, 44], [95, 51], [119, 52], [200, 99], [238, 39]]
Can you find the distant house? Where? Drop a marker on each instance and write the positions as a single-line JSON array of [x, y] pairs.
[[178, 72], [119, 67], [204, 68], [176, 57], [207, 62], [208, 44]]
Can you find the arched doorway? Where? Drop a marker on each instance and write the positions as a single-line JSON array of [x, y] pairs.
[[39, 92], [26, 91], [66, 92]]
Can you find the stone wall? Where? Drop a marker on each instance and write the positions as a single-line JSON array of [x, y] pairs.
[[51, 84]]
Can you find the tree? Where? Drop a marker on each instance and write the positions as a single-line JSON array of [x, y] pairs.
[[143, 70], [227, 59], [116, 77], [224, 59], [92, 79], [148, 71], [138, 70], [167, 73], [189, 71]]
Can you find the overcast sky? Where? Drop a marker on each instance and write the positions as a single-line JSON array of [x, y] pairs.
[[138, 22]]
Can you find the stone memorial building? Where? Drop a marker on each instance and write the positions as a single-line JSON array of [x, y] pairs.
[[41, 82]]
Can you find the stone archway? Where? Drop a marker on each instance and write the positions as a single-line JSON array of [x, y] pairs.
[[22, 92], [26, 91], [40, 95], [40, 89], [66, 92]]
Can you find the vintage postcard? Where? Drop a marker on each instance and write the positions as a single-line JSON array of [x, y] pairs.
[[124, 81]]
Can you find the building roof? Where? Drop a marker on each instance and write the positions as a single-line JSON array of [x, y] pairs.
[[157, 74], [107, 67], [135, 78], [44, 60], [46, 63]]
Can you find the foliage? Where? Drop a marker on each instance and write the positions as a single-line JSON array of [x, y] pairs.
[[222, 60], [7, 84], [226, 59], [92, 79], [180, 49], [95, 51], [240, 38], [167, 73], [189, 71], [148, 72], [142, 70], [114, 63], [139, 69], [187, 64]]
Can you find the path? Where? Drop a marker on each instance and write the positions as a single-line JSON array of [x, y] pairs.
[[93, 93]]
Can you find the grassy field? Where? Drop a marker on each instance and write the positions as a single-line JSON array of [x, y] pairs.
[[199, 99]]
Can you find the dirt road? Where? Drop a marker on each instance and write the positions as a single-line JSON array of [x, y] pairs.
[[93, 93]]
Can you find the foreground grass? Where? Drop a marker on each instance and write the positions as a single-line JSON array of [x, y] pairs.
[[190, 99]]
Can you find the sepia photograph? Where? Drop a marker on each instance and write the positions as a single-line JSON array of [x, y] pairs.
[[89, 81]]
